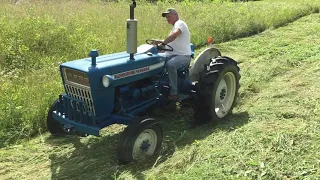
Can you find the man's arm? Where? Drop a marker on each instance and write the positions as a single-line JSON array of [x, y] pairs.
[[172, 36]]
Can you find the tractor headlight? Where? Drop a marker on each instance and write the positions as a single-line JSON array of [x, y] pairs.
[[107, 80]]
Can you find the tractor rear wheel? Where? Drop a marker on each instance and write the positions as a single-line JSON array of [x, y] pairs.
[[217, 90], [142, 138]]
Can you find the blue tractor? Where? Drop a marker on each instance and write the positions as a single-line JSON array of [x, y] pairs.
[[118, 88]]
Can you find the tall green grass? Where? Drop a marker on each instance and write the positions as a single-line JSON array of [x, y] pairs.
[[36, 36], [273, 133]]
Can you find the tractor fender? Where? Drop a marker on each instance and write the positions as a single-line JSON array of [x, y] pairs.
[[202, 61]]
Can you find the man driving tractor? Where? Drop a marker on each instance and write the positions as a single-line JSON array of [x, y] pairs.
[[179, 58]]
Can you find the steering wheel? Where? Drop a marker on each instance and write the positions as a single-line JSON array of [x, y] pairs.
[[159, 48]]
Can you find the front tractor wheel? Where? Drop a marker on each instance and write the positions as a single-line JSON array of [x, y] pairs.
[[54, 127], [141, 139], [218, 89]]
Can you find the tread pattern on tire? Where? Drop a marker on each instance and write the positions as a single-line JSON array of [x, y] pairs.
[[207, 82]]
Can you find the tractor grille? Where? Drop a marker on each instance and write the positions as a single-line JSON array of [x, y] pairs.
[[81, 93], [78, 86]]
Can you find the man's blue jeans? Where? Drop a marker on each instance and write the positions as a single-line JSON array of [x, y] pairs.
[[173, 64]]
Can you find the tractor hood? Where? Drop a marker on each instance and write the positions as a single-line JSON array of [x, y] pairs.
[[111, 60], [85, 81], [119, 66]]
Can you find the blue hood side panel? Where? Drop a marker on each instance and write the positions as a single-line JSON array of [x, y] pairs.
[[144, 67], [103, 97]]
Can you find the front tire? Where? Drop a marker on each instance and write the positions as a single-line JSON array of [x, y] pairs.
[[141, 139], [217, 90], [54, 127]]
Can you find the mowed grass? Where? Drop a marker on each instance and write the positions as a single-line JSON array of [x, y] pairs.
[[272, 133], [36, 36]]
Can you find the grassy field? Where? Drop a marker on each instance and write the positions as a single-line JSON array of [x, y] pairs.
[[272, 134], [36, 37]]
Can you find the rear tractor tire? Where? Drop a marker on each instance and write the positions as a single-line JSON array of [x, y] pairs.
[[217, 90]]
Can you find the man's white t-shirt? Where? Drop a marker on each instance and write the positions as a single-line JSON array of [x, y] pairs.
[[181, 45]]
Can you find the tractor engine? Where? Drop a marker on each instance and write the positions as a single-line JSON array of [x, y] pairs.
[[135, 93]]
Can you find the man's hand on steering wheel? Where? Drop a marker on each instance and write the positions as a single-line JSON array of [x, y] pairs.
[[159, 45]]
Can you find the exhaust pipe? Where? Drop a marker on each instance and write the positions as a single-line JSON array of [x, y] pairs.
[[132, 26]]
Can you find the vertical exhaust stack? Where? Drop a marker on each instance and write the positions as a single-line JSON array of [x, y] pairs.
[[132, 26]]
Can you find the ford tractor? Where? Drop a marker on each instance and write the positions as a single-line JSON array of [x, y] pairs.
[[119, 88]]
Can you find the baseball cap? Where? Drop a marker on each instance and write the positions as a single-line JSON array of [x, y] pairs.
[[168, 11]]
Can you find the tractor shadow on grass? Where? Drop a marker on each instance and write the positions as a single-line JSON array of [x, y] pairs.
[[92, 157]]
